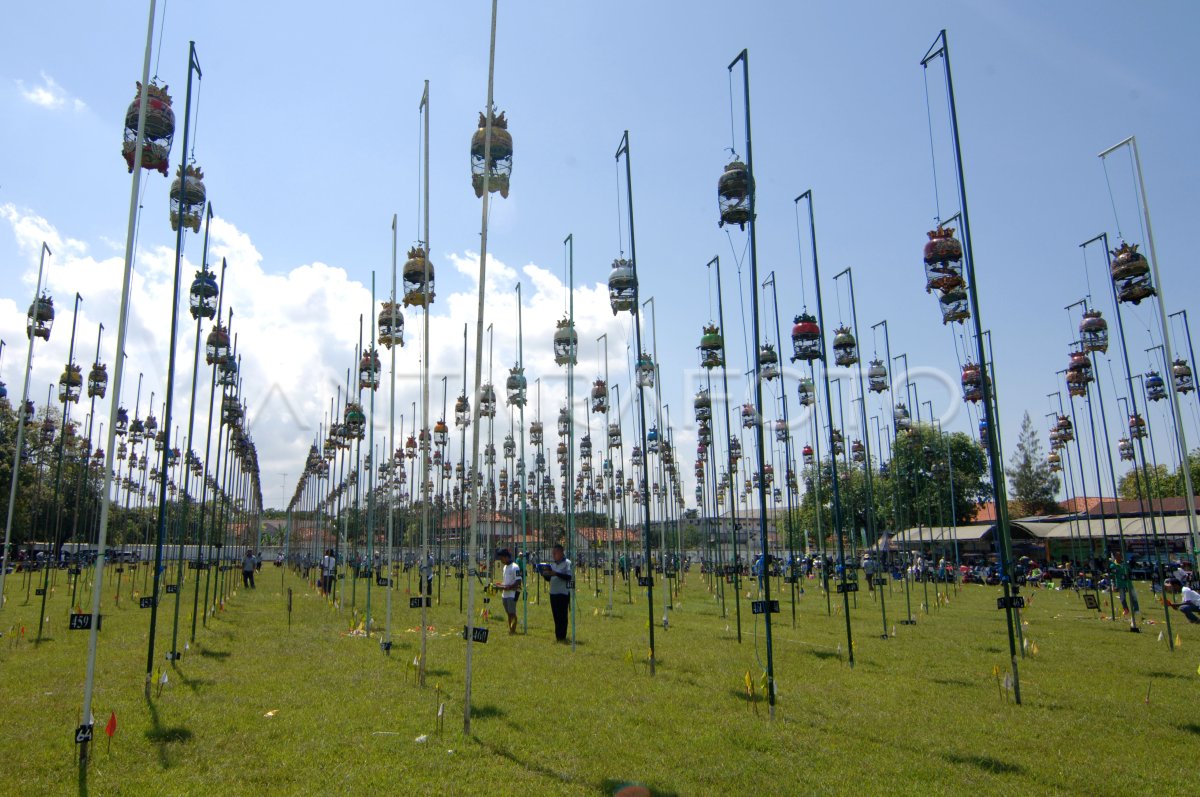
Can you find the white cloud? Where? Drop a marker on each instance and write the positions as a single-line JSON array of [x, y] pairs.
[[50, 95]]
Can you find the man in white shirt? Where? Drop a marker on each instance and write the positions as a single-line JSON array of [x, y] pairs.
[[1189, 602], [561, 575], [328, 571], [509, 586]]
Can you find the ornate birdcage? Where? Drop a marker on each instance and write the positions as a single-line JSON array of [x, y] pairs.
[[955, 305], [70, 384], [972, 382], [614, 435], [1125, 449], [983, 431], [585, 446], [1182, 374], [635, 456], [1156, 388], [735, 450], [369, 369], [652, 440], [418, 278], [644, 372], [768, 361], [806, 338], [806, 454], [1055, 461], [202, 298], [355, 420], [423, 440], [390, 326], [845, 348], [703, 406], [781, 431], [561, 452], [227, 372], [943, 256], [3, 391], [564, 422], [735, 190], [858, 452], [1056, 441], [750, 417], [231, 410], [496, 163], [837, 445], [515, 386], [877, 377], [1093, 332], [704, 435], [47, 430], [40, 318], [462, 412], [599, 396], [187, 196], [769, 474], [122, 451], [1066, 429], [510, 447], [712, 347], [622, 286], [122, 424], [901, 417], [157, 133], [410, 448], [216, 348], [1079, 374], [489, 454], [137, 430], [566, 342], [441, 434], [536, 433], [1131, 274], [807, 391]]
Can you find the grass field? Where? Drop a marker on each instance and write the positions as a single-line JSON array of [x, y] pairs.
[[257, 708]]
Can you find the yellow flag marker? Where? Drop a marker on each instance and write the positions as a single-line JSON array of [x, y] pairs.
[[1178, 640], [749, 685]]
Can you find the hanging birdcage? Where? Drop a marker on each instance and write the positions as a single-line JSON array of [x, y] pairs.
[[585, 446], [768, 362], [566, 342], [837, 446], [877, 377], [40, 318], [769, 474], [614, 435], [1093, 332], [536, 433], [808, 392], [122, 424], [636, 457], [3, 391], [202, 298], [496, 163], [216, 349], [515, 386], [645, 371], [368, 370], [806, 338], [390, 326], [510, 447], [539, 461], [70, 384], [137, 430], [1131, 274], [423, 440], [781, 431], [410, 448], [1125, 449], [122, 450], [599, 396], [1156, 388], [1055, 461], [1056, 441], [902, 418], [489, 454], [151, 425], [704, 435], [227, 373], [1182, 374], [1066, 429], [441, 434], [845, 348], [858, 451], [983, 430], [943, 254], [735, 189], [1079, 374], [462, 412], [955, 306], [750, 417], [157, 132], [355, 420], [622, 286], [561, 453], [564, 422], [735, 450], [418, 278], [187, 196], [652, 440], [703, 406], [231, 410], [712, 347], [503, 479], [806, 454], [972, 382], [47, 430]]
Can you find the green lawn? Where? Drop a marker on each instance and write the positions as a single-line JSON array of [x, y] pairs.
[[256, 708]]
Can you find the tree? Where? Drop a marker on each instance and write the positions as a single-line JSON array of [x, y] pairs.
[[1156, 482], [1033, 484]]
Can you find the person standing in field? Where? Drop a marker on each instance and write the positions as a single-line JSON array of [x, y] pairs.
[[328, 571], [509, 586], [561, 575], [248, 563], [1189, 602]]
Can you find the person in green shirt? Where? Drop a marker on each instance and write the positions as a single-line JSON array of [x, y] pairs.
[[1118, 570]]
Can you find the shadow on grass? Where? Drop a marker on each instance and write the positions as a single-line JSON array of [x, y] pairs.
[[219, 655], [950, 682], [986, 763], [825, 654], [612, 787], [1190, 727], [162, 737], [741, 695], [486, 712], [1165, 674], [437, 672]]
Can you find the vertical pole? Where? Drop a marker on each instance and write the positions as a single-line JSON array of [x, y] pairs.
[[733, 525], [386, 642], [425, 427]]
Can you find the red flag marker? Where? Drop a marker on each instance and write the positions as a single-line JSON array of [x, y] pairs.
[[111, 727]]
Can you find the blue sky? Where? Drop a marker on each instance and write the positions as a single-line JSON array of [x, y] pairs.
[[308, 135]]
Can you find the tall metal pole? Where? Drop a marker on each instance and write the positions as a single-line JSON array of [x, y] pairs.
[[386, 643], [205, 560], [118, 374], [487, 158], [837, 500], [20, 443], [1180, 435], [788, 466], [644, 476], [425, 427], [997, 474], [887, 352], [569, 492]]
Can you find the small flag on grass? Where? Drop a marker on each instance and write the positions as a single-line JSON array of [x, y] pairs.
[[111, 727]]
